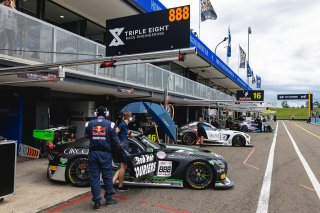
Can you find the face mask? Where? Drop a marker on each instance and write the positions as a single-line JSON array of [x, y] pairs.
[[130, 119]]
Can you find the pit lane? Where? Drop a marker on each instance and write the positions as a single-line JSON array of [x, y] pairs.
[[290, 191]]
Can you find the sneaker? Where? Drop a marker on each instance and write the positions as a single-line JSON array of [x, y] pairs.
[[96, 206], [111, 202], [122, 189]]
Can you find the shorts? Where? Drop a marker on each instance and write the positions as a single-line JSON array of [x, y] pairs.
[[201, 132], [119, 156]]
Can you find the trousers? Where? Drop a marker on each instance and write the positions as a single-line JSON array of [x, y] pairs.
[[100, 163]]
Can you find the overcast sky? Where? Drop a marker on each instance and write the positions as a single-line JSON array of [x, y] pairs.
[[284, 44]]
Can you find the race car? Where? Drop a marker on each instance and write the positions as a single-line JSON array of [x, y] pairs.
[[150, 164], [188, 135], [248, 126], [251, 126]]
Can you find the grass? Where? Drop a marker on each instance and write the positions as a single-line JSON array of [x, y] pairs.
[[286, 113]]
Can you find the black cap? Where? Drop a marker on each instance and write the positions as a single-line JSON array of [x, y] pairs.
[[101, 111]]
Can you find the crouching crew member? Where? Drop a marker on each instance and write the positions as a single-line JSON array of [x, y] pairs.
[[102, 138]]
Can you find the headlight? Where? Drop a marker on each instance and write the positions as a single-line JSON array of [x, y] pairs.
[[218, 162]]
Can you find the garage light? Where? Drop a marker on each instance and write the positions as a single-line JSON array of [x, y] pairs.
[[61, 16], [107, 64]]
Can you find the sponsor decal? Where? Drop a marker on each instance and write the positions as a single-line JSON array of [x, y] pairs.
[[173, 156], [98, 131], [142, 159], [50, 157], [74, 151], [63, 160], [145, 169], [164, 169], [161, 155], [149, 149], [184, 151]]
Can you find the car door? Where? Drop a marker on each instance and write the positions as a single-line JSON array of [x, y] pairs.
[[212, 133], [140, 162]]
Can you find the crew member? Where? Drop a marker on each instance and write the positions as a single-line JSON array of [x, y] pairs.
[[135, 125], [102, 138], [123, 133], [201, 133], [215, 123]]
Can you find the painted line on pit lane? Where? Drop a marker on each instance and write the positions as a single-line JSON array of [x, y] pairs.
[[171, 209], [263, 203], [312, 177], [307, 187], [80, 199], [311, 133], [245, 161], [59, 208]]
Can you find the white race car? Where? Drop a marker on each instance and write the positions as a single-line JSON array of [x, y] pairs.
[[188, 135]]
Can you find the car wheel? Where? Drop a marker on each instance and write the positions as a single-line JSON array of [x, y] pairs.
[[189, 139], [78, 172], [244, 128], [238, 140], [199, 175]]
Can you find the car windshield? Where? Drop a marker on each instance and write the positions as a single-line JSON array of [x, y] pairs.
[[149, 143]]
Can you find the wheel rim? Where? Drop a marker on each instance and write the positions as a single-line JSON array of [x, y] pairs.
[[189, 139], [238, 140], [79, 169], [199, 175]]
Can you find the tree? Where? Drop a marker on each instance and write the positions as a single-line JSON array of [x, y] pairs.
[[316, 104], [302, 106], [285, 104]]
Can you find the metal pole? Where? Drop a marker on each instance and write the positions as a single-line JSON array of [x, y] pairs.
[[248, 59], [249, 32], [199, 16]]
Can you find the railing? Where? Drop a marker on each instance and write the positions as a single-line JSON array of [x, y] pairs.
[[26, 37]]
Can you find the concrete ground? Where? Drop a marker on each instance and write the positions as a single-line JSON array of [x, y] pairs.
[[282, 185], [33, 190]]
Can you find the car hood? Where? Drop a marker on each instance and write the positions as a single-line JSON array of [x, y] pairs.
[[191, 151]]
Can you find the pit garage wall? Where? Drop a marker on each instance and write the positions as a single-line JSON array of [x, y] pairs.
[[11, 109]]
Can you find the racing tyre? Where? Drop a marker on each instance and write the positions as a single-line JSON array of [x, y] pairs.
[[244, 128], [189, 139], [78, 172], [199, 175], [238, 140]]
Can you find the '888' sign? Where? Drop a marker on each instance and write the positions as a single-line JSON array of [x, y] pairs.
[[164, 169]]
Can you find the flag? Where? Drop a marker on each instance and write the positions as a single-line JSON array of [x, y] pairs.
[[249, 71], [229, 43], [253, 78], [207, 11], [258, 82], [242, 58]]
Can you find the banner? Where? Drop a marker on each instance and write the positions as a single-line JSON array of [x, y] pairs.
[[258, 82], [207, 11], [253, 78], [293, 97], [149, 32], [229, 43], [249, 71], [242, 58]]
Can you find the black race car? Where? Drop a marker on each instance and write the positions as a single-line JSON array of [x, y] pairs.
[[150, 164]]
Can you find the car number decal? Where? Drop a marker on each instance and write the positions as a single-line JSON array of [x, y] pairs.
[[164, 169], [212, 135]]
